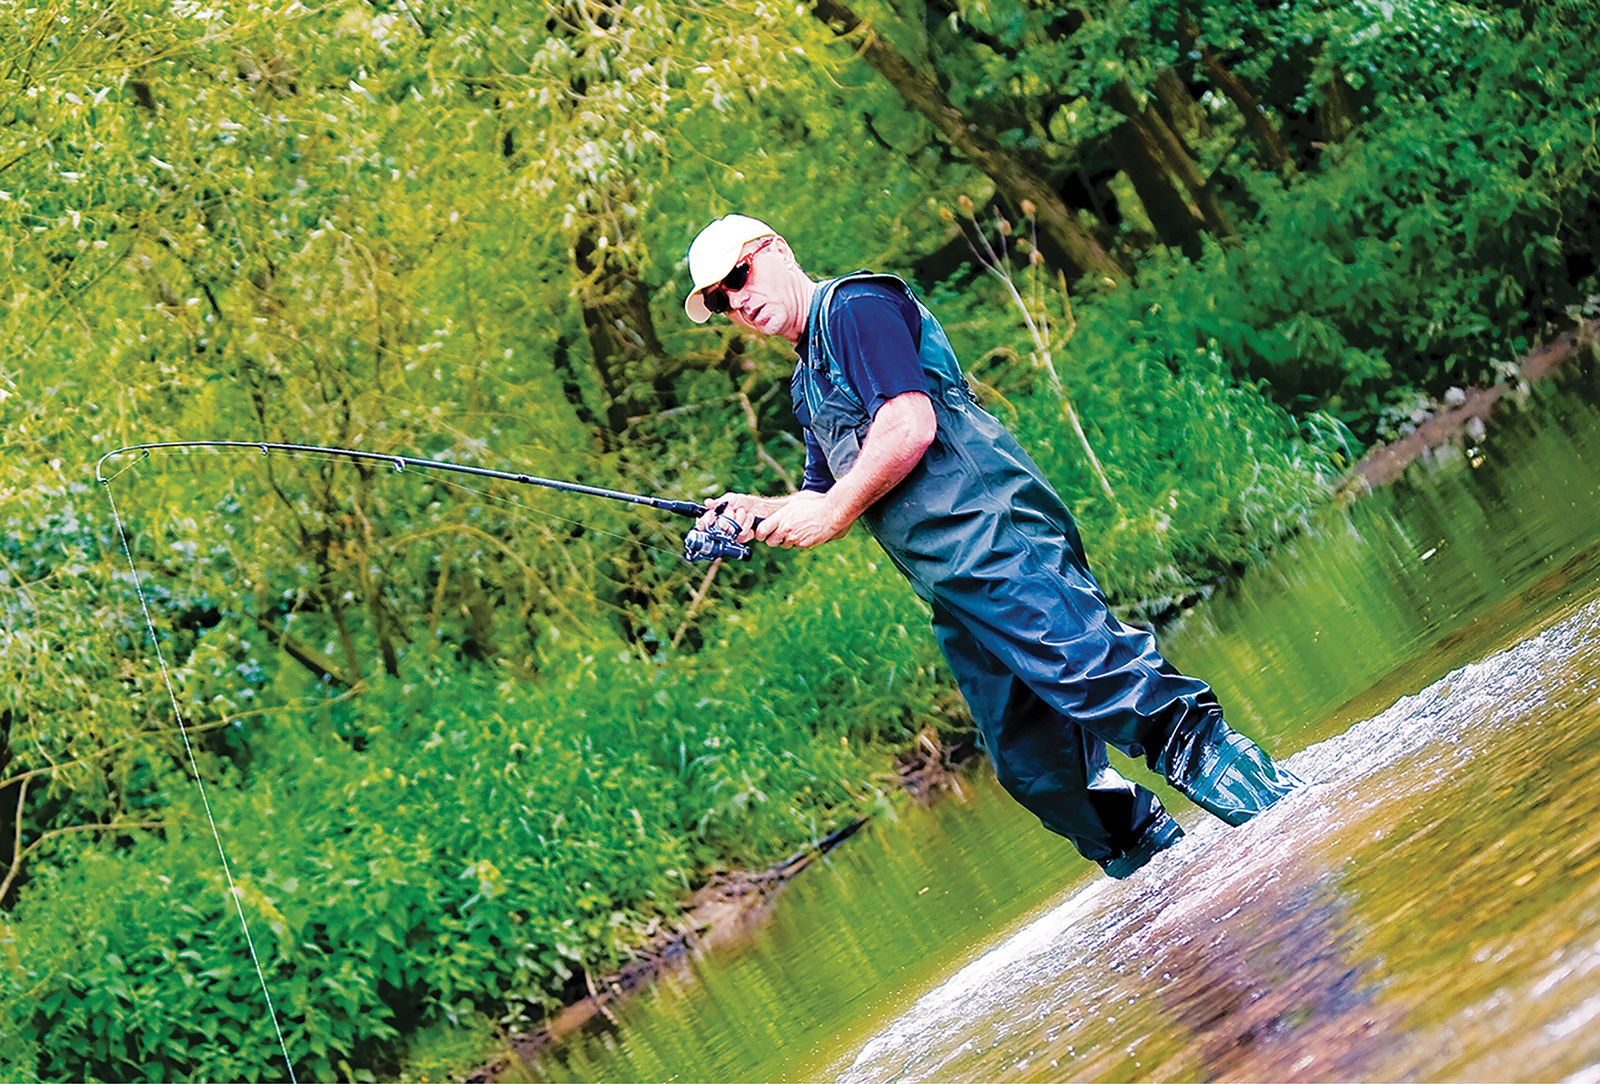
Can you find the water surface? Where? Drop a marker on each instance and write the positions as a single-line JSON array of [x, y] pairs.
[[1428, 909]]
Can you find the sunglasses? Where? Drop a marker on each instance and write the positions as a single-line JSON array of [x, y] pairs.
[[717, 296]]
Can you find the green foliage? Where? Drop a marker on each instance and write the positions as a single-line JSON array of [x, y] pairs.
[[439, 1052], [1209, 477], [235, 224], [1430, 257]]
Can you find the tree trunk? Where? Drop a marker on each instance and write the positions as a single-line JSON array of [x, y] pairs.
[[1261, 127], [1173, 159], [1137, 155], [1337, 115], [1064, 239], [1187, 118], [1176, 223], [628, 355]]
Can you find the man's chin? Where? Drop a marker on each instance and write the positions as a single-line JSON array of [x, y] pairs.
[[766, 320]]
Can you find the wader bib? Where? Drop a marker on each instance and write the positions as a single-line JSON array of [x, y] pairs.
[[1049, 673]]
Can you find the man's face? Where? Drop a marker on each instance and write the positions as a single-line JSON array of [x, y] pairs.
[[775, 298]]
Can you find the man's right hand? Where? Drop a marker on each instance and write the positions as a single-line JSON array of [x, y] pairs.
[[806, 519]]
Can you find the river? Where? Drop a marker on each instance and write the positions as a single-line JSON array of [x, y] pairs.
[[1428, 908]]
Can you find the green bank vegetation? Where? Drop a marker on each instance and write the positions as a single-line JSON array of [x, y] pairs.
[[466, 743]]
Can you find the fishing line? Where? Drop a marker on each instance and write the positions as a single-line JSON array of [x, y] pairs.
[[194, 767]]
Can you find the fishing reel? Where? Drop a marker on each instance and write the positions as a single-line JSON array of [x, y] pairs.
[[721, 539]]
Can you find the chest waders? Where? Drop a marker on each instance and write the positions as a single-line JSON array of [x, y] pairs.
[[1049, 673]]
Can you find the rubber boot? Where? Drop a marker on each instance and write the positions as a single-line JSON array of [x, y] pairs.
[[1225, 773], [1161, 834]]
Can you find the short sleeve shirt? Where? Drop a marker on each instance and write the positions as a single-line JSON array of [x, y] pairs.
[[875, 330]]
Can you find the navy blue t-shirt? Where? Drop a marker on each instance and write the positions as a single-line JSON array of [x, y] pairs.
[[875, 329]]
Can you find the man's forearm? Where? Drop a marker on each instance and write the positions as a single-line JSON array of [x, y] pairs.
[[901, 431], [900, 434]]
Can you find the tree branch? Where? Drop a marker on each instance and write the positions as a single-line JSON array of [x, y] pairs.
[[309, 657], [1255, 118], [1083, 256], [21, 856]]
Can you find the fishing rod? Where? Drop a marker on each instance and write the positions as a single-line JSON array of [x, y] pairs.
[[720, 539]]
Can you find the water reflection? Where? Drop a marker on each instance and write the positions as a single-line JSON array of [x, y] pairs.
[[1339, 611], [822, 975], [1271, 991]]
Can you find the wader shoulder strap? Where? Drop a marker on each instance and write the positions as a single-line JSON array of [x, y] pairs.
[[932, 347], [820, 355]]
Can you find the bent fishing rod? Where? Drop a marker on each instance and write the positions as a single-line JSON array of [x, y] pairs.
[[720, 539]]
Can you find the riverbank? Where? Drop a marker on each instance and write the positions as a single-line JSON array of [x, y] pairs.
[[734, 904], [1466, 416]]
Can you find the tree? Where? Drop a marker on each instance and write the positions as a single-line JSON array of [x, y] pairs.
[[1081, 254]]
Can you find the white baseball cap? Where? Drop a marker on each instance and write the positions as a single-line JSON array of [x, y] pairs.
[[713, 254]]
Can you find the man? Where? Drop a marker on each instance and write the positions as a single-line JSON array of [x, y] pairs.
[[895, 438]]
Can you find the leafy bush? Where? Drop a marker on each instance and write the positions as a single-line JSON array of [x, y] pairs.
[[1208, 473]]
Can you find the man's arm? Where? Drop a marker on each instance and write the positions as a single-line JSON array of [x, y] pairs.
[[901, 431]]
